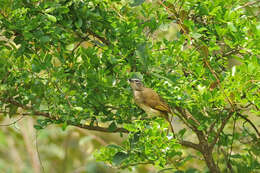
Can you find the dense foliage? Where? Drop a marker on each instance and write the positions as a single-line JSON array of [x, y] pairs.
[[68, 62]]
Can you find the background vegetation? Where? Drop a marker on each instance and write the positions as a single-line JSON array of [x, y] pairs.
[[64, 66]]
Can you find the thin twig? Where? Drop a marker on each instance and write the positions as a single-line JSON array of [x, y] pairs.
[[187, 115], [250, 122], [229, 166], [231, 146], [2, 13], [181, 6], [247, 4], [165, 169], [79, 43], [105, 41], [219, 84], [176, 17], [231, 52], [223, 124], [21, 117], [37, 150], [212, 127], [66, 97], [183, 120], [170, 124], [134, 164], [256, 107]]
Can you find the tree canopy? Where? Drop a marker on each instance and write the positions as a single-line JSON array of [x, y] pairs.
[[68, 61]]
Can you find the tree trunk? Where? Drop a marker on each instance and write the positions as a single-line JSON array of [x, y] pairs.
[[210, 162]]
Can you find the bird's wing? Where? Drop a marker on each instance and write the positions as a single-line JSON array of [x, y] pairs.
[[153, 100]]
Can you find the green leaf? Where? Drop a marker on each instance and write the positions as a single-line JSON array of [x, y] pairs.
[[134, 139], [44, 39], [112, 127], [36, 67], [70, 47], [64, 126], [51, 18], [78, 24], [119, 157], [77, 108], [192, 170], [12, 110], [115, 146], [201, 127], [137, 75], [38, 127], [232, 27], [196, 35], [182, 132], [137, 2], [236, 156]]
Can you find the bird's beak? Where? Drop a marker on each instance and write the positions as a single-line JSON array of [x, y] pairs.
[[130, 80]]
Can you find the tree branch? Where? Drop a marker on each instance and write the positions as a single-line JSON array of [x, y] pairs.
[[201, 136], [105, 41], [226, 157], [47, 115], [79, 43], [98, 128], [190, 145], [250, 122], [187, 116], [247, 4], [231, 52], [15, 121], [218, 81], [223, 124], [90, 127]]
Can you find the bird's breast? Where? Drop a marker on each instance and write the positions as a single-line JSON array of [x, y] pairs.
[[138, 97]]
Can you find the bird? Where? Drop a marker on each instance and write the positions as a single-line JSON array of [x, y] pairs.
[[150, 101]]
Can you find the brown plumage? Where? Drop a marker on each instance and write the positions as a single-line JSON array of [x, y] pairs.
[[149, 100]]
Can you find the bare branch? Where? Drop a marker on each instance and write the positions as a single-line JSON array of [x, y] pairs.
[[21, 117], [37, 150], [201, 136], [187, 116], [247, 4], [250, 122], [231, 52], [191, 145]]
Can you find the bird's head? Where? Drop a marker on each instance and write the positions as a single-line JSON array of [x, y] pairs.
[[136, 84]]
